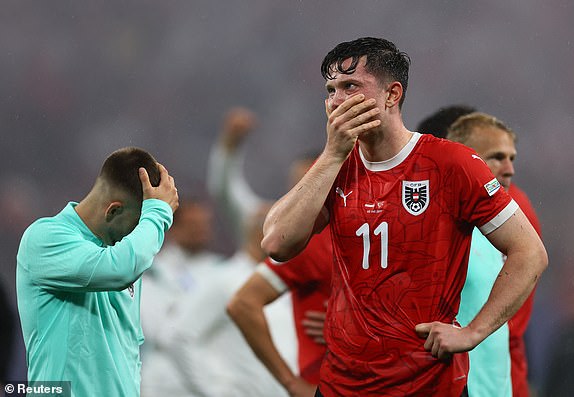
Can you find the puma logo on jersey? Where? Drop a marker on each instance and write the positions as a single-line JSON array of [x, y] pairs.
[[340, 192], [474, 156]]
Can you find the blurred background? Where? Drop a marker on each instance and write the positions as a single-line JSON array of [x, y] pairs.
[[81, 79]]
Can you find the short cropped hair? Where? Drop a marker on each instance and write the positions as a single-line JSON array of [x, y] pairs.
[[384, 61], [462, 129], [121, 167], [437, 124]]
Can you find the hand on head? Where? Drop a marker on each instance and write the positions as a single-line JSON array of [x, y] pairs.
[[165, 191]]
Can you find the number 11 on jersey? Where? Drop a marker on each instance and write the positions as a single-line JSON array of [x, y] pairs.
[[383, 231]]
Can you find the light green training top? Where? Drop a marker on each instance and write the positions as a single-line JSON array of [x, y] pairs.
[[79, 300], [489, 373]]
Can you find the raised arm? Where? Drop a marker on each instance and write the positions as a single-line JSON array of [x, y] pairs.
[[526, 260], [62, 259], [225, 178]]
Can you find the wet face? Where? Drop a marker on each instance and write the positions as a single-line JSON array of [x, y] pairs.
[[344, 86], [497, 149]]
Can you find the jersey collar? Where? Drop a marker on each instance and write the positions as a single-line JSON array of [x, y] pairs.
[[394, 161]]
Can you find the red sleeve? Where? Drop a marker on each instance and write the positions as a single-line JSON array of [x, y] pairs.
[[483, 201], [524, 202], [309, 266], [518, 324]]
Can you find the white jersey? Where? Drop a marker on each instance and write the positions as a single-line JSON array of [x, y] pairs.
[[205, 351]]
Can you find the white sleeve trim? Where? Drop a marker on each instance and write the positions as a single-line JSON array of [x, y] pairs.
[[272, 278], [499, 219]]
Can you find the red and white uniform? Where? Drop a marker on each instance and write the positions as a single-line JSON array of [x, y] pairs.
[[519, 322], [401, 233], [308, 277]]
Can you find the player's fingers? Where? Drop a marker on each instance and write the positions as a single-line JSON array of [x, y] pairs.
[[144, 178], [435, 349], [429, 343], [364, 128], [423, 329], [348, 104], [314, 334], [313, 324], [363, 118], [163, 174], [313, 314]]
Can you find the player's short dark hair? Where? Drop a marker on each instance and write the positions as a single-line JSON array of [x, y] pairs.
[[438, 123], [384, 61], [121, 167]]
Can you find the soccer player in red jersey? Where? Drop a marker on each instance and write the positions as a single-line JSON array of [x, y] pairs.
[[308, 277], [519, 322], [401, 207]]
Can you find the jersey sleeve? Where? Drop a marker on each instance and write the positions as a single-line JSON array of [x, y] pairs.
[[307, 268], [482, 200], [526, 206], [58, 257], [268, 271]]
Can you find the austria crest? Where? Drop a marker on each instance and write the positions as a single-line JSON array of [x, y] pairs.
[[416, 196]]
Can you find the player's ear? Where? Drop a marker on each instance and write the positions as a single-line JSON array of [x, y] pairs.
[[114, 209], [394, 94]]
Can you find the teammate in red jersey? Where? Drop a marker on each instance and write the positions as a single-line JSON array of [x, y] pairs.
[[304, 281], [401, 207], [308, 277], [518, 324]]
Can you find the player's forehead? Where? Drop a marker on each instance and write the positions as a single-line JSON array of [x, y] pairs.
[[490, 139], [360, 71]]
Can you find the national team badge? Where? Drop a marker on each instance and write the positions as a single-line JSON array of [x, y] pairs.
[[416, 196]]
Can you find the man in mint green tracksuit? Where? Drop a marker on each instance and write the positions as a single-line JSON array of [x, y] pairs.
[[78, 278], [489, 361]]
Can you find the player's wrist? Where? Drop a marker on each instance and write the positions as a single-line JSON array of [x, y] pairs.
[[475, 334], [290, 384]]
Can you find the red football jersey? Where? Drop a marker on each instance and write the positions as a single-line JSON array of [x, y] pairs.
[[519, 322], [401, 233], [308, 276]]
